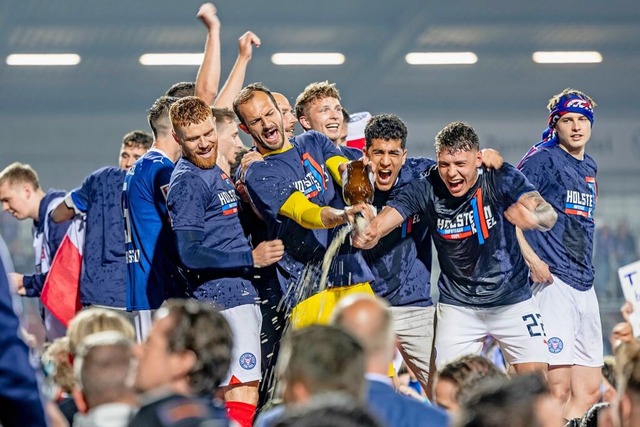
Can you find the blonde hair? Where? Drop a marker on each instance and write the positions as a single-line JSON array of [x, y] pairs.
[[56, 354], [18, 172], [313, 91], [93, 320]]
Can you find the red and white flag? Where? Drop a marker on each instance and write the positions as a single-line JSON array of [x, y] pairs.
[[355, 129], [61, 290]]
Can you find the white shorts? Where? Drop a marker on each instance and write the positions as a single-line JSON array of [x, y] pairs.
[[142, 320], [572, 322], [245, 321], [414, 328], [517, 327]]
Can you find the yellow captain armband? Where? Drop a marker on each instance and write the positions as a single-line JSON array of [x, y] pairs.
[[332, 164], [301, 210]]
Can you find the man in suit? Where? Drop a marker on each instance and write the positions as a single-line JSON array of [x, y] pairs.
[[369, 319]]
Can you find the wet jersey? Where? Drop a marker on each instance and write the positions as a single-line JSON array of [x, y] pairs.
[[103, 276], [149, 244], [481, 263], [401, 262], [205, 200], [271, 182], [569, 185]]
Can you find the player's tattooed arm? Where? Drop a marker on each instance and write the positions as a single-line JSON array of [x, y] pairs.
[[531, 211], [544, 212]]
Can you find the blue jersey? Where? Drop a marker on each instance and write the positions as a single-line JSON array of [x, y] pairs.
[[104, 270], [20, 403], [47, 236], [150, 252], [569, 185], [350, 152], [401, 262], [480, 260], [271, 182], [205, 200]]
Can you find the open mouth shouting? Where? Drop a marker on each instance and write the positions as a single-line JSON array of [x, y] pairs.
[[272, 137], [456, 186], [383, 176]]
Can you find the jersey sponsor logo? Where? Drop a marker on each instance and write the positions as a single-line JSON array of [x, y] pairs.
[[555, 345], [248, 361], [477, 222], [315, 181], [582, 204], [229, 201]]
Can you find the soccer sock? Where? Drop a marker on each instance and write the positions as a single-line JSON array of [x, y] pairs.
[[241, 412]]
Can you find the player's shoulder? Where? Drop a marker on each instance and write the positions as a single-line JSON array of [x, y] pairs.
[[418, 165], [107, 174], [542, 157]]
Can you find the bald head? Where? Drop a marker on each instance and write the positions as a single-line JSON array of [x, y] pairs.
[[368, 318]]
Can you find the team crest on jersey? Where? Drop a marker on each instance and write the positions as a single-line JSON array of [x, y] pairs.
[[582, 204], [248, 361], [555, 345], [478, 221]]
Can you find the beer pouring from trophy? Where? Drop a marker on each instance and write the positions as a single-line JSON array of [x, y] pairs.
[[357, 187]]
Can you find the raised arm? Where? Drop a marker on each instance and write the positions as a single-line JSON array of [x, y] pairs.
[[235, 81], [208, 77]]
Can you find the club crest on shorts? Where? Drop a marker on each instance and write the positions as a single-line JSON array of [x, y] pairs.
[[555, 345], [248, 361]]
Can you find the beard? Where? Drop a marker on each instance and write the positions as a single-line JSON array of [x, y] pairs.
[[200, 162]]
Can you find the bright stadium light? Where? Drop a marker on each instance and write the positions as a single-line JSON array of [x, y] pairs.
[[441, 58], [567, 57], [308, 58], [171, 58], [43, 59]]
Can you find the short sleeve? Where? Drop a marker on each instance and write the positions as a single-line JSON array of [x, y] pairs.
[[187, 201], [268, 188]]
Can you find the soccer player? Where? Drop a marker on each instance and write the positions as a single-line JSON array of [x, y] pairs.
[[203, 208], [288, 118], [103, 271], [318, 108], [152, 273], [292, 190], [483, 284], [561, 260], [401, 264], [22, 196], [229, 143]]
